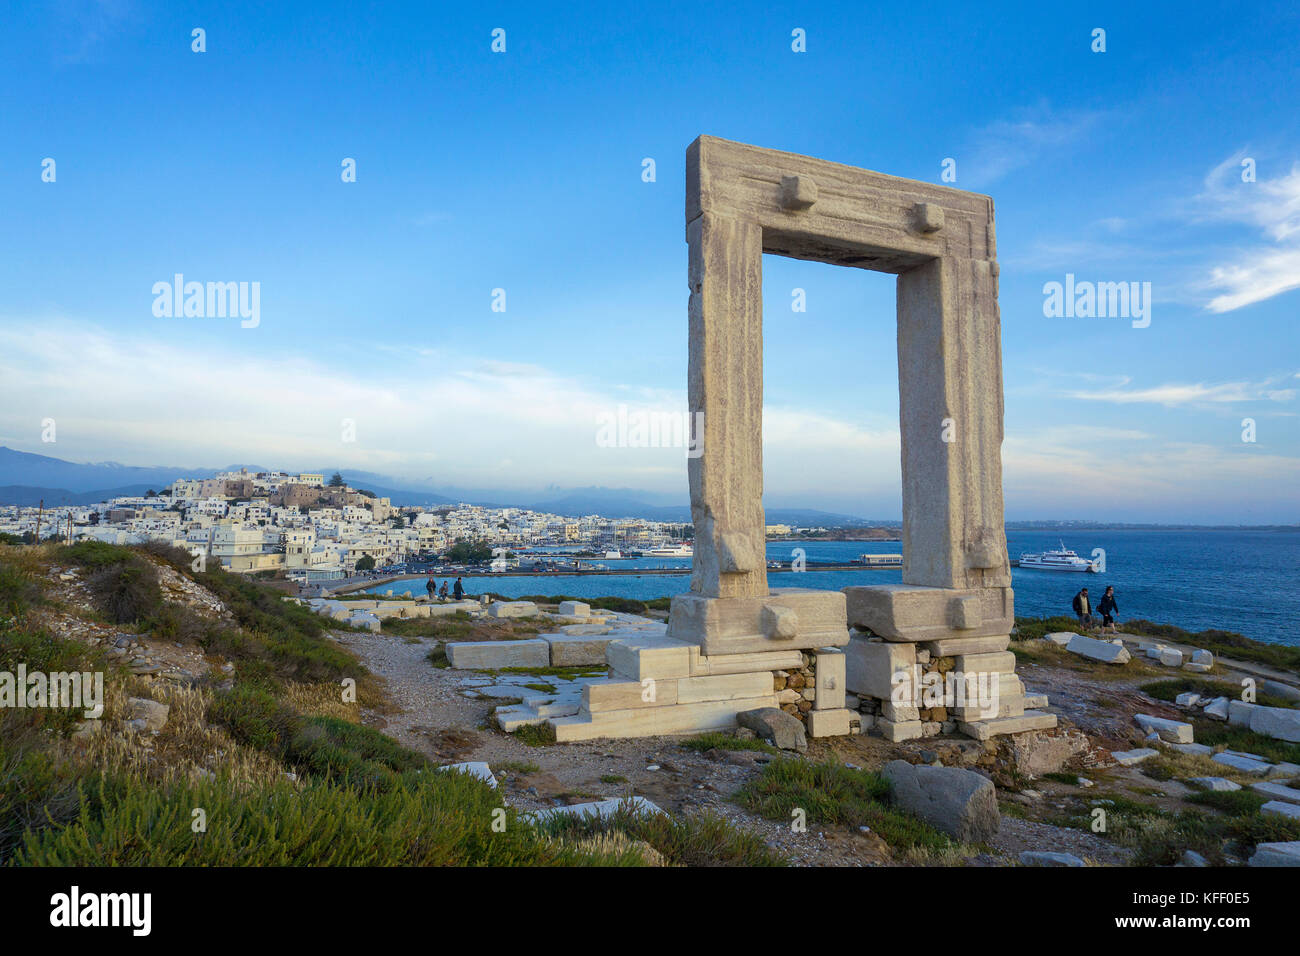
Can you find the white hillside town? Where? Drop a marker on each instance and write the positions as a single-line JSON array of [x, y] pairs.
[[315, 529]]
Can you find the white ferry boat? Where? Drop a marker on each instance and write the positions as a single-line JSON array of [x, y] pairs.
[[1061, 559], [676, 551], [880, 560]]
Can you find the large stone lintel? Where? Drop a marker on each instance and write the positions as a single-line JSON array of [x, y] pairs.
[[785, 619], [913, 613]]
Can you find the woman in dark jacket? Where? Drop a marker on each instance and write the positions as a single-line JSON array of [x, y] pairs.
[[1108, 609]]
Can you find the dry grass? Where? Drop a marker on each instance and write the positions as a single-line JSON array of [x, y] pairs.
[[184, 749], [320, 700], [1172, 764]]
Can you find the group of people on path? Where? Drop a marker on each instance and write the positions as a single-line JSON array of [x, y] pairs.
[[431, 587], [1106, 607]]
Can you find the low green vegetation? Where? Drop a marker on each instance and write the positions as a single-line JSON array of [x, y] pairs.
[[1168, 690], [625, 605], [1232, 827], [283, 777], [1235, 803], [1035, 628], [454, 627], [831, 793], [535, 735], [565, 673], [1214, 733], [701, 840], [1222, 643], [717, 740], [19, 588]]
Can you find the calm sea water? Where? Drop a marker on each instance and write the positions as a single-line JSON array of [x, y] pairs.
[[1244, 581]]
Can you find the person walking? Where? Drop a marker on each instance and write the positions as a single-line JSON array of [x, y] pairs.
[[459, 590], [442, 595], [431, 587], [1083, 608], [1108, 609]]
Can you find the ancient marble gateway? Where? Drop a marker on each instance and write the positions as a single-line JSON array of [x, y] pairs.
[[733, 644]]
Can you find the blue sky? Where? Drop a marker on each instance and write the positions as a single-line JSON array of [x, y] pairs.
[[523, 171]]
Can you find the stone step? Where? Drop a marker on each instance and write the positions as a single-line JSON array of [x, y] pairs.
[[494, 655], [512, 718], [1030, 720], [560, 708], [657, 658], [654, 721]]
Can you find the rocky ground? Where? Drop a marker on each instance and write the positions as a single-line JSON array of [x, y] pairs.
[[437, 712], [443, 713]]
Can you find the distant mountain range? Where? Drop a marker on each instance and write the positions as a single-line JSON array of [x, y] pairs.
[[26, 479]]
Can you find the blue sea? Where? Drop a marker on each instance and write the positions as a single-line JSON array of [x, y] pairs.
[[1243, 581]]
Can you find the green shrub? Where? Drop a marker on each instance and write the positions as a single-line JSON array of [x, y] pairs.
[[1222, 643], [426, 819], [178, 624], [126, 592], [1212, 733], [180, 559], [94, 554], [701, 840], [535, 735], [36, 791], [1168, 690], [1034, 628], [717, 740], [282, 640], [1237, 803], [18, 590], [832, 793], [323, 747]]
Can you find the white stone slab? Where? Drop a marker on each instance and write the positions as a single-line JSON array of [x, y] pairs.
[[512, 609], [1127, 758], [600, 809], [1103, 651], [1276, 791], [1277, 808], [1280, 723], [1173, 731], [1244, 764], [493, 655], [475, 769], [1276, 854]]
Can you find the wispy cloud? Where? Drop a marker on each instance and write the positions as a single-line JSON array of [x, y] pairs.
[[1175, 394], [1006, 145], [1271, 265]]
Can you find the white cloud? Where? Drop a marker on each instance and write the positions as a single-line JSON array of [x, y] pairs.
[[1007, 145], [1269, 267], [1193, 393]]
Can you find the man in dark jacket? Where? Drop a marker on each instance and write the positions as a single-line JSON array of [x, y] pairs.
[[1082, 608], [1108, 609], [459, 590]]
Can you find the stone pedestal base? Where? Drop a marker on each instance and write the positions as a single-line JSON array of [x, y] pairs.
[[910, 612], [907, 636], [720, 657], [785, 619]]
